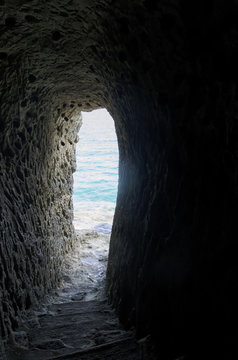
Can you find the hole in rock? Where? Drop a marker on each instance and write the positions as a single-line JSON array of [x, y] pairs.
[[96, 177], [94, 200]]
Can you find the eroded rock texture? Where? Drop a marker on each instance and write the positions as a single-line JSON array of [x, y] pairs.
[[37, 163], [166, 70]]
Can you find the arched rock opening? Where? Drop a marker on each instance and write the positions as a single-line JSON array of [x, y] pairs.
[[166, 71]]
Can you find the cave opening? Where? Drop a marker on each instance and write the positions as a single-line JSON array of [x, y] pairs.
[[94, 201], [96, 175], [167, 72]]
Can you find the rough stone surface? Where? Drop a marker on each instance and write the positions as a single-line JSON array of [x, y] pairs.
[[37, 161], [167, 72], [75, 321], [36, 209], [76, 330]]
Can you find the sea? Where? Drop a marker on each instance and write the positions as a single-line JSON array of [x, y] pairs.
[[96, 177]]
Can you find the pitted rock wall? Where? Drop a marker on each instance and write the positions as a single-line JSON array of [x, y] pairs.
[[39, 122], [166, 71], [37, 162], [36, 209]]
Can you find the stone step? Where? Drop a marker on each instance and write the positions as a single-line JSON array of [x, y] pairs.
[[113, 350], [79, 307], [76, 330]]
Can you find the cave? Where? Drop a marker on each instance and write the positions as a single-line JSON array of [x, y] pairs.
[[166, 71]]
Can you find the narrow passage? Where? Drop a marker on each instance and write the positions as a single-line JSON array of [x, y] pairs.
[[77, 322]]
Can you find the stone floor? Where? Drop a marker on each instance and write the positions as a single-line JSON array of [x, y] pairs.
[[77, 322], [77, 330]]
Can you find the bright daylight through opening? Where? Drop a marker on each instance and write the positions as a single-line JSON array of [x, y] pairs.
[[96, 178], [94, 197]]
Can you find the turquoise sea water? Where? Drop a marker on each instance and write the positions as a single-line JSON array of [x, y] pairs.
[[96, 178]]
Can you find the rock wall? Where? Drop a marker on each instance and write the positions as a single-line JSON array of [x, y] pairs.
[[39, 122], [166, 71], [37, 162], [172, 263]]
